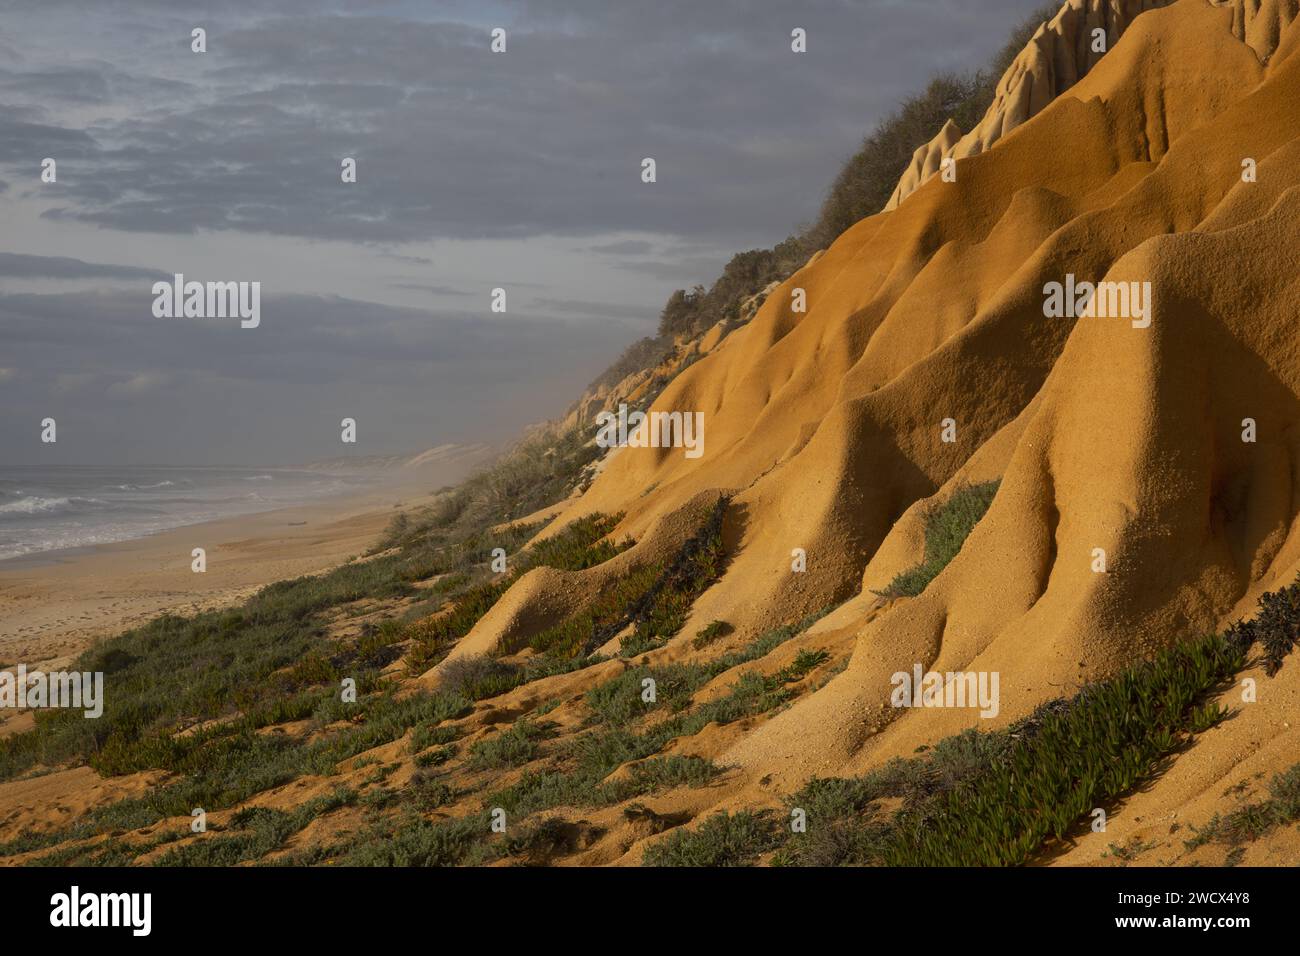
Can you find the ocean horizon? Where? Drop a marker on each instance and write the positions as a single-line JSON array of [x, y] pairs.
[[53, 508]]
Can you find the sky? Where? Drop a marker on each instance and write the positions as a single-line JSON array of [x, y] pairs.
[[475, 170]]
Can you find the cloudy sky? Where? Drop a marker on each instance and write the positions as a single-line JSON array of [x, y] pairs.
[[475, 170]]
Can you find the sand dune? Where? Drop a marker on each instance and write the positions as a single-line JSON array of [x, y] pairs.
[[827, 425]]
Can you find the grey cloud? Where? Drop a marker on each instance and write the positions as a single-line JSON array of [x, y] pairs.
[[434, 289], [624, 247], [24, 144], [702, 269], [103, 364], [453, 141], [600, 310], [79, 85], [18, 265]]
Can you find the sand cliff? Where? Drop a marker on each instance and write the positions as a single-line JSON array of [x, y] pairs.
[[827, 425]]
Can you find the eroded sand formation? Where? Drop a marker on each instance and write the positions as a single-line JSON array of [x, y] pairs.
[[1061, 52], [826, 425]]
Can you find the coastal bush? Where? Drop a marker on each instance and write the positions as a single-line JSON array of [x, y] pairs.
[[618, 701], [722, 840], [427, 791], [266, 830], [661, 773], [710, 633], [590, 758], [661, 611], [946, 528], [654, 600], [413, 841], [1249, 823], [510, 748], [477, 676], [1275, 627], [537, 472], [868, 178], [579, 546], [602, 618]]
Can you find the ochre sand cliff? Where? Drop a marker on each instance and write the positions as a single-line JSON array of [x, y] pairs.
[[826, 425]]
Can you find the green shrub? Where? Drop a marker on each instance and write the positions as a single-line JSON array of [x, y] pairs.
[[415, 842], [511, 748], [620, 700], [654, 599], [537, 842], [946, 528], [662, 610], [424, 736], [435, 757], [1275, 627], [710, 633], [722, 840], [477, 676], [428, 791], [1284, 789], [1249, 823], [662, 773], [579, 546], [264, 830]]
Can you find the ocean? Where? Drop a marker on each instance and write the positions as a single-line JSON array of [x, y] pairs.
[[49, 508]]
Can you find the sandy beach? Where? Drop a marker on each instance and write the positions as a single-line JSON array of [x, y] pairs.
[[54, 604]]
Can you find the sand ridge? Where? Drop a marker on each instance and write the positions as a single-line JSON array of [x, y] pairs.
[[1105, 436]]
